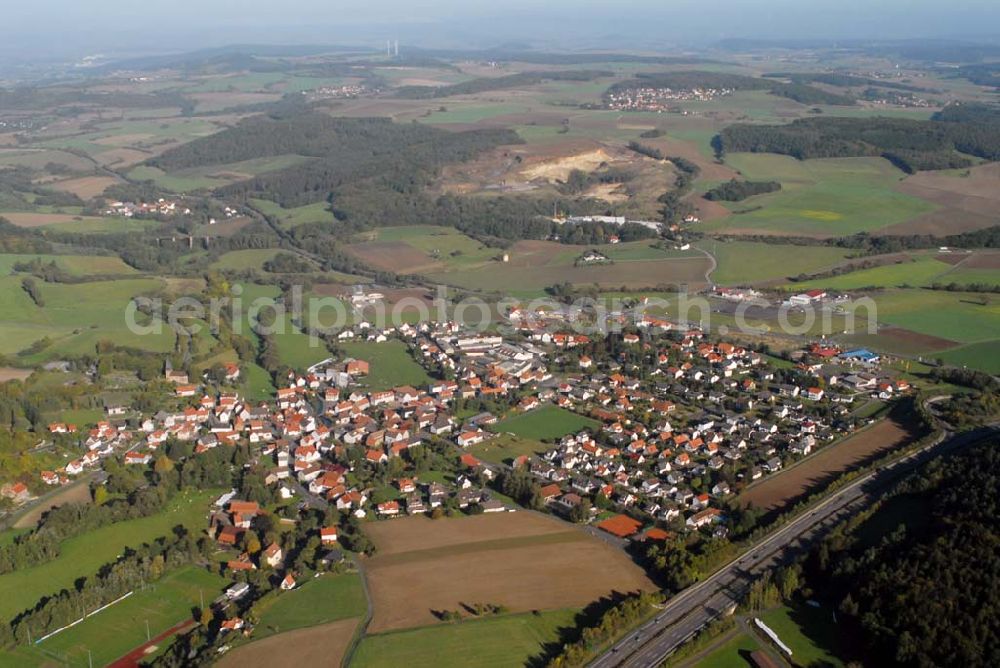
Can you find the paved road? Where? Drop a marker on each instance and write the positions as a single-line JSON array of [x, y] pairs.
[[689, 611]]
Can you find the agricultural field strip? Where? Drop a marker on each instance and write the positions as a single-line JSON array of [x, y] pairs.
[[499, 544]]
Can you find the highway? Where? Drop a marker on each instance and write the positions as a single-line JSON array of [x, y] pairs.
[[690, 610]]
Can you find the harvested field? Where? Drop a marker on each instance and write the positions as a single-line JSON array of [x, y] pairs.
[[914, 340], [967, 202], [395, 256], [13, 373], [322, 645], [126, 139], [79, 493], [121, 157], [707, 209], [521, 560], [25, 219], [85, 187], [782, 490], [525, 273], [981, 260]]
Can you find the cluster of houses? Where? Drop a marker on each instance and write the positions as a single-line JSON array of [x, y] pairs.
[[646, 98], [161, 207], [672, 443]]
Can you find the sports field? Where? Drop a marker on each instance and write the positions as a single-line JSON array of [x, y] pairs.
[[545, 423], [509, 641], [113, 632], [820, 197], [84, 555], [524, 561]]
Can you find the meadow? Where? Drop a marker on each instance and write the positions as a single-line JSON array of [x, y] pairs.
[[391, 364], [321, 600], [957, 316], [508, 641], [914, 270], [820, 197], [75, 316], [83, 555], [545, 423], [291, 218], [536, 265], [504, 448], [77, 265], [113, 632], [244, 260], [748, 263]]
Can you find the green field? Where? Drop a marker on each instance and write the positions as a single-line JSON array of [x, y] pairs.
[[742, 263], [243, 260], [75, 317], [502, 642], [443, 244], [78, 265], [808, 632], [504, 448], [321, 600], [92, 225], [84, 555], [984, 356], [213, 176], [821, 197], [915, 272], [533, 268], [545, 423], [310, 213], [730, 654], [114, 632], [957, 316], [391, 364], [471, 112]]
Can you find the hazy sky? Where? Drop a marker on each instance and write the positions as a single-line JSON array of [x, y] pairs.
[[58, 27]]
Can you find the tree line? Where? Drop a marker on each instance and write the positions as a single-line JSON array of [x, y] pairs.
[[736, 191], [911, 145]]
